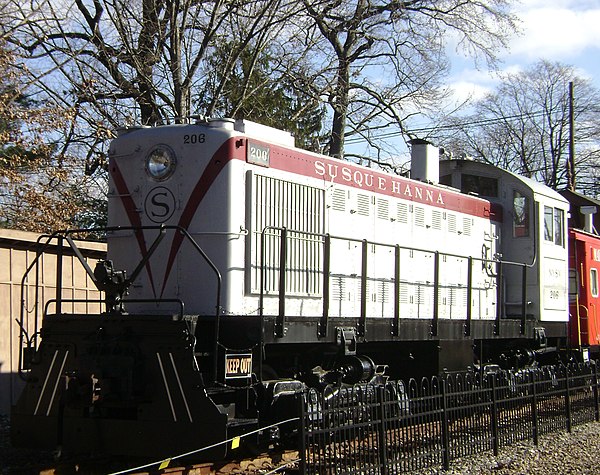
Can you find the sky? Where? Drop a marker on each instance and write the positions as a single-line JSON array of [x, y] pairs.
[[565, 31]]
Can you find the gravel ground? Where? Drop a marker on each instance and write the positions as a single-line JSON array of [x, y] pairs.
[[557, 454]]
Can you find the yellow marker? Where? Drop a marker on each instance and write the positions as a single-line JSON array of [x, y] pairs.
[[164, 464], [235, 443]]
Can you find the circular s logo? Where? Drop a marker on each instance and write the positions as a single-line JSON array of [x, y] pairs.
[[160, 204]]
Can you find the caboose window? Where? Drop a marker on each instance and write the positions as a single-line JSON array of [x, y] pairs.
[[520, 215], [594, 282], [572, 285]]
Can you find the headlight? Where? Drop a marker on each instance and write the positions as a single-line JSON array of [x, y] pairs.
[[161, 162]]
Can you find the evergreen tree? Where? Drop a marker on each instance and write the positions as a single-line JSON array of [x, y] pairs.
[[252, 88]]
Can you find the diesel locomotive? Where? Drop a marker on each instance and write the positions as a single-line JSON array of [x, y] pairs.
[[241, 270]]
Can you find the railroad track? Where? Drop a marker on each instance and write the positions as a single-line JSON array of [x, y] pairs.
[[268, 463]]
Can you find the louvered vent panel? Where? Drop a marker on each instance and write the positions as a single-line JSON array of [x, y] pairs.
[[419, 216], [385, 292], [467, 223], [436, 219], [404, 292], [338, 288], [339, 200], [451, 223], [363, 205], [402, 213], [299, 209], [383, 208], [420, 295]]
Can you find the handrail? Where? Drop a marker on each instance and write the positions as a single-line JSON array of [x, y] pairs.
[[383, 244], [284, 234], [65, 235], [218, 298], [101, 301], [42, 247]]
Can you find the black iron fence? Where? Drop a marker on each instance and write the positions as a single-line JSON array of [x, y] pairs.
[[400, 428]]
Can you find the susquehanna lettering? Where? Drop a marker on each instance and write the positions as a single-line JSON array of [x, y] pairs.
[[362, 179]]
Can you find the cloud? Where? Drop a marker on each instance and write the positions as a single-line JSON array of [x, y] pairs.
[[557, 29], [469, 84], [463, 91], [564, 31]]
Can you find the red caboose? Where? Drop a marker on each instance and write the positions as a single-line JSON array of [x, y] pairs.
[[584, 264]]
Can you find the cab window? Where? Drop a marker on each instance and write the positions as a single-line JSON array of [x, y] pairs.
[[559, 219], [553, 225], [520, 215], [481, 185]]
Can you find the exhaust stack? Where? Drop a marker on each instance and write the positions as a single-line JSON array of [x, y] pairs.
[[424, 161], [588, 213]]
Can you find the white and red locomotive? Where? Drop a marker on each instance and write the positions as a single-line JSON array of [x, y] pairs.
[[241, 269]]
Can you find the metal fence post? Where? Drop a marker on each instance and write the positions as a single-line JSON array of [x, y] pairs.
[[382, 431], [302, 435], [534, 410], [445, 429], [568, 400], [595, 390], [495, 431]]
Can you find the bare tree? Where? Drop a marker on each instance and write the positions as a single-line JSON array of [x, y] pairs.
[[387, 57], [144, 59], [116, 63], [375, 62], [524, 126], [120, 62], [256, 88]]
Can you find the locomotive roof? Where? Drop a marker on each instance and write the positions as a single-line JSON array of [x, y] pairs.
[[536, 187]]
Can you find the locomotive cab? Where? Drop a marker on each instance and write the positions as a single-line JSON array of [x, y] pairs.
[[532, 244]]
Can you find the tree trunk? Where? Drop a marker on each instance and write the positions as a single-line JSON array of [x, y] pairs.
[[339, 103], [148, 39]]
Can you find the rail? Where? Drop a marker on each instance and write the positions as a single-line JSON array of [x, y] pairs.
[[285, 235]]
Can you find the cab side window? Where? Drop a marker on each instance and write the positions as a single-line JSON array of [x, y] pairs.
[[554, 225], [559, 219], [520, 215], [548, 223], [480, 185]]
